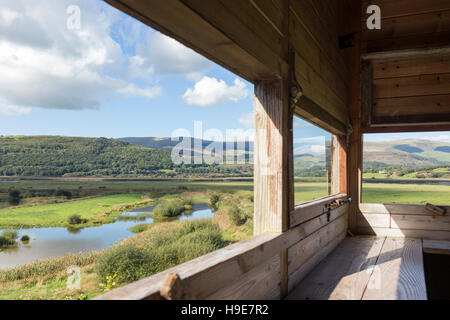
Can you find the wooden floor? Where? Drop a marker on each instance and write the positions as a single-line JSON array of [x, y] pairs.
[[367, 268]]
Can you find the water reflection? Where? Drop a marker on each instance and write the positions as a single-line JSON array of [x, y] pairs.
[[55, 242]]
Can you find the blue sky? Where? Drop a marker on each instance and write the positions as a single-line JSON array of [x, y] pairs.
[[83, 68], [136, 82]]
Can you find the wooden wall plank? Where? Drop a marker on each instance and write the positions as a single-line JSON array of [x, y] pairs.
[[399, 8], [312, 209], [297, 276], [399, 272], [436, 247], [241, 26], [404, 233], [272, 10], [427, 23], [303, 250], [253, 285], [344, 274], [407, 106], [411, 67], [373, 220], [316, 89], [408, 42], [436, 84], [438, 223], [320, 67], [399, 209], [203, 37], [325, 38]]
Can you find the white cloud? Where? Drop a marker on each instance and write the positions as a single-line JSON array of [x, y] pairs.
[[43, 64], [320, 139], [301, 125], [10, 110], [211, 92], [132, 91], [442, 137], [162, 55], [311, 149], [248, 120]]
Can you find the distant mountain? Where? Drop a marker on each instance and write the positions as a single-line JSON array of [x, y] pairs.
[[408, 148], [197, 145], [443, 149], [411, 153]]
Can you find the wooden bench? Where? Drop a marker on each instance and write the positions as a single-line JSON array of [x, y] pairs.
[[367, 268]]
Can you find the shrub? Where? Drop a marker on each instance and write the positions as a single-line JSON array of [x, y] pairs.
[[129, 262], [160, 249], [6, 242], [64, 193], [236, 215], [8, 238], [213, 199], [74, 219], [14, 197], [25, 238], [169, 208], [140, 228]]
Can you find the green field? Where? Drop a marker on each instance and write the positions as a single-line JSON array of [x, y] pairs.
[[406, 193], [96, 210]]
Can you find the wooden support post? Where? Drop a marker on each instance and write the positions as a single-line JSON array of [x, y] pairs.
[[354, 159], [272, 130], [273, 181]]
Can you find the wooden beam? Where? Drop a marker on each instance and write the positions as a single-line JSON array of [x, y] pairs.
[[271, 180], [354, 158], [230, 49], [308, 110], [407, 120], [407, 54], [366, 93], [407, 128]]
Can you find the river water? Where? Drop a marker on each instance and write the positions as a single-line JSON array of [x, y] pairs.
[[56, 242]]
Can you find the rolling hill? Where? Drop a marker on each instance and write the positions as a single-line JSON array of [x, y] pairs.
[[409, 153], [57, 156]]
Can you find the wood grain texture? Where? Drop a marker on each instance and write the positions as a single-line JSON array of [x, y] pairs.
[[436, 247], [411, 67], [400, 8], [412, 106], [253, 285], [298, 275], [344, 274], [399, 272], [312, 209], [424, 85], [373, 220], [403, 233], [399, 209], [180, 22], [271, 157], [303, 250]]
